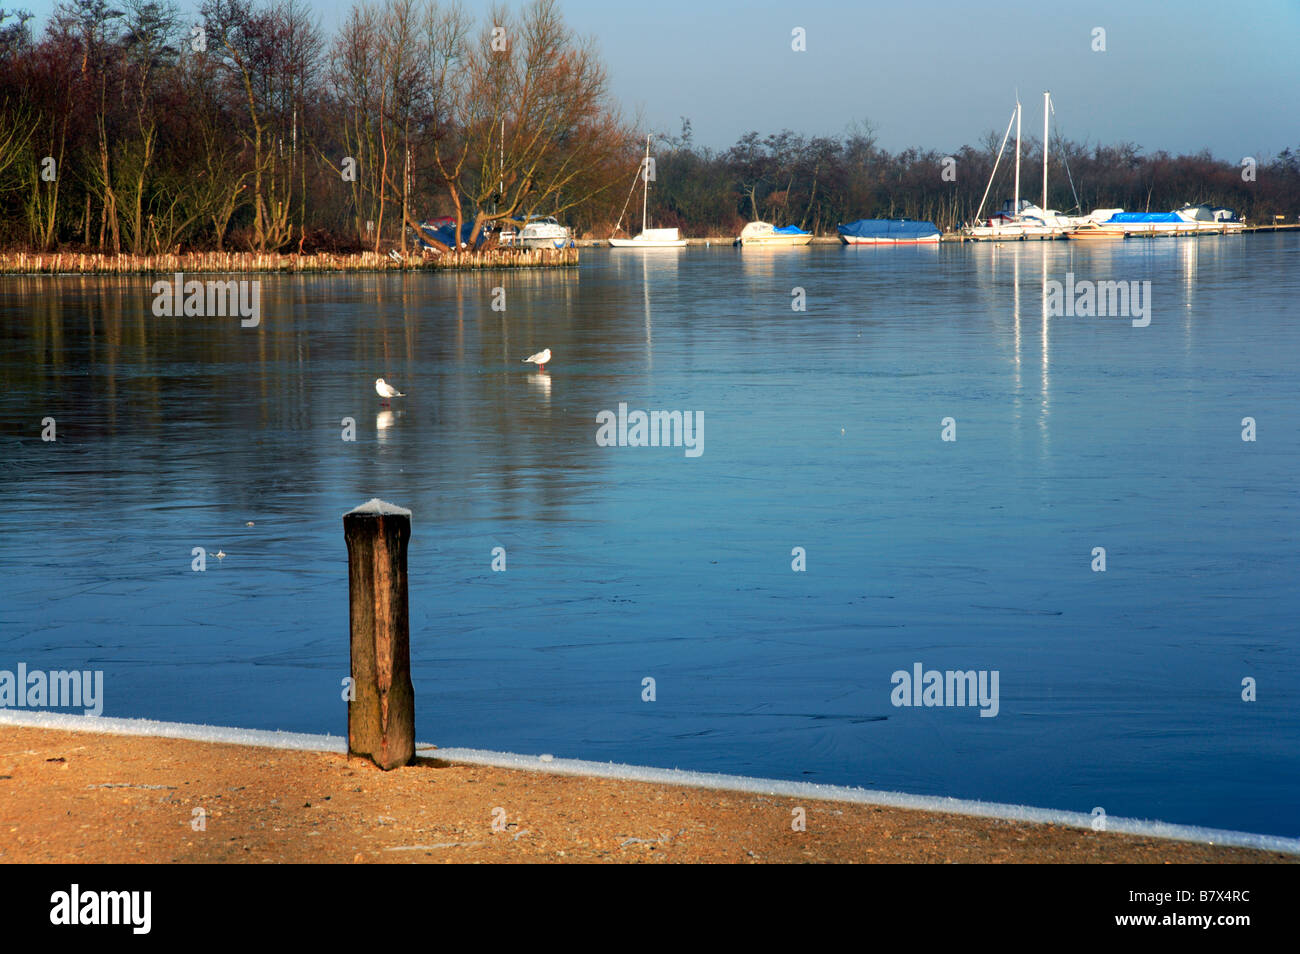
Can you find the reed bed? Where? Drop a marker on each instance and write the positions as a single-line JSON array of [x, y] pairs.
[[62, 263]]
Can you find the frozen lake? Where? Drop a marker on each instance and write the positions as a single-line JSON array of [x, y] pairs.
[[1121, 689]]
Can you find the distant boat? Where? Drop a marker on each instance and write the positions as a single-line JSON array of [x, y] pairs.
[[651, 238], [1031, 221], [1019, 218], [1189, 220], [1092, 230], [539, 231], [768, 235], [888, 232], [648, 238], [444, 230]]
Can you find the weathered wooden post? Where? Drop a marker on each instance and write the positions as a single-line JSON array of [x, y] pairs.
[[381, 714]]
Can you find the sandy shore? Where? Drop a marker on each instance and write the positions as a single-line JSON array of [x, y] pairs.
[[81, 797]]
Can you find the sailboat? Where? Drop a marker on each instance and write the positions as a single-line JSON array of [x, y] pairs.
[[648, 238], [1020, 218]]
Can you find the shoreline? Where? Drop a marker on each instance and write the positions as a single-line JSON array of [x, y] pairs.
[[196, 263], [88, 796], [96, 263]]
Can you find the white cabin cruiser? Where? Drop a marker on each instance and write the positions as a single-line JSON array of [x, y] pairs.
[[543, 231], [1189, 220]]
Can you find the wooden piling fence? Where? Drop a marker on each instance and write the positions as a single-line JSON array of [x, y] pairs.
[[60, 263], [381, 708]]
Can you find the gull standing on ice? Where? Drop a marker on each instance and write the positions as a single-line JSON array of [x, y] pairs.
[[541, 359], [386, 390]]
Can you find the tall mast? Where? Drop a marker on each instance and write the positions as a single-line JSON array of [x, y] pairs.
[[1047, 99], [996, 162], [645, 181], [1016, 207]]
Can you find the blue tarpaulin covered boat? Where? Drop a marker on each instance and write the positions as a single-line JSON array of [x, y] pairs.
[[1189, 220], [446, 234], [1145, 217], [767, 235], [888, 232]]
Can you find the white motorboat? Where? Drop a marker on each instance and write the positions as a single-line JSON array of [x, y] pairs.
[[543, 231], [767, 235], [888, 232], [1189, 220], [647, 238]]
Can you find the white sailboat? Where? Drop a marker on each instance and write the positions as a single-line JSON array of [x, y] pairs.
[[1020, 218], [648, 238]]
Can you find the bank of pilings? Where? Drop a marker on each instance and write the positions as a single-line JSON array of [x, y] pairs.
[[62, 263]]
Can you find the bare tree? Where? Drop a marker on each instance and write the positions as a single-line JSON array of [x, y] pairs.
[[271, 57], [526, 119], [354, 75]]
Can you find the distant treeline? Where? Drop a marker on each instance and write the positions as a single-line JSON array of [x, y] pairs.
[[125, 127], [819, 182]]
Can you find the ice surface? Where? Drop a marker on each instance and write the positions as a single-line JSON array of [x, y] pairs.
[[638, 773], [379, 507], [770, 673]]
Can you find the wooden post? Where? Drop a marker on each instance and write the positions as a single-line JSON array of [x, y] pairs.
[[381, 716]]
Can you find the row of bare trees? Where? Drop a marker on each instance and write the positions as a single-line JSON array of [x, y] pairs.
[[126, 128], [819, 182]]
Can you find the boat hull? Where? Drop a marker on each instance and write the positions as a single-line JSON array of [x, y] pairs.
[[650, 243], [1093, 235], [651, 238], [1170, 230], [774, 241], [540, 242], [1190, 220], [888, 232], [1014, 232], [852, 240], [765, 234]]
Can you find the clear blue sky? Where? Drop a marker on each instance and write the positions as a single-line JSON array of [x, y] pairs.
[[1178, 75]]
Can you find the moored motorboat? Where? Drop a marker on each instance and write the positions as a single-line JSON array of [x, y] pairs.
[[888, 232], [1093, 230], [543, 231], [443, 230], [1189, 220], [768, 235]]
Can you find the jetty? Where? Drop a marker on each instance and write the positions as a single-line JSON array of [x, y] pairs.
[[959, 237], [717, 241]]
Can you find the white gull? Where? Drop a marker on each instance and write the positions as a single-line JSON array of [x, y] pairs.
[[386, 390], [541, 359]]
